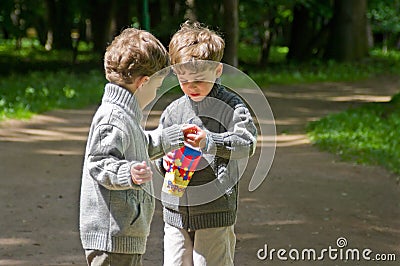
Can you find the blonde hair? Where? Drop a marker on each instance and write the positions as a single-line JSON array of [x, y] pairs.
[[193, 41], [132, 54]]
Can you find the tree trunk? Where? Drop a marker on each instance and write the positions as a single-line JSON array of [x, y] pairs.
[[100, 16], [301, 34], [155, 13], [60, 24], [266, 39], [122, 16], [348, 39], [231, 25]]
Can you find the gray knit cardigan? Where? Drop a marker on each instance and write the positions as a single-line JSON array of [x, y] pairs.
[[115, 214]]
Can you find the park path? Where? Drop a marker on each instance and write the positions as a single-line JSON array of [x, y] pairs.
[[309, 199]]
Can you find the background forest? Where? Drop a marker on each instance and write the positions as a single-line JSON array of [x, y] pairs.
[[51, 52], [308, 29]]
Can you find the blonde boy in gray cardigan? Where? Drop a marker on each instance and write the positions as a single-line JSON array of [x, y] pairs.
[[200, 233], [116, 205]]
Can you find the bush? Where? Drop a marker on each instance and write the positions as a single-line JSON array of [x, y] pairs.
[[36, 92], [366, 135]]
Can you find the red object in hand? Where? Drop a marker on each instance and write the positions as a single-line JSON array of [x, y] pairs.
[[190, 131]]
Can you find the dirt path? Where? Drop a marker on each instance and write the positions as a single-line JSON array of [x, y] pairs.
[[309, 200]]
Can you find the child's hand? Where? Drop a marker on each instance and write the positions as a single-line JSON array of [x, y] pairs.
[[141, 173], [167, 160], [194, 135]]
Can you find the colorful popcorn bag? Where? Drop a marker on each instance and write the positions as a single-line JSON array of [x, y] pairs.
[[181, 170]]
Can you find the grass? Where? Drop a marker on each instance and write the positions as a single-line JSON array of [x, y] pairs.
[[280, 72], [366, 135], [37, 92], [33, 57], [34, 81]]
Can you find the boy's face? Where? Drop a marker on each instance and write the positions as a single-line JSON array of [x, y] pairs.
[[146, 92], [198, 85]]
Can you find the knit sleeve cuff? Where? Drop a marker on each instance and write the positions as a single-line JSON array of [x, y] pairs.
[[173, 138], [213, 141]]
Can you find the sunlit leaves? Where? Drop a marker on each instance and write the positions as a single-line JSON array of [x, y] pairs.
[[36, 92], [368, 134]]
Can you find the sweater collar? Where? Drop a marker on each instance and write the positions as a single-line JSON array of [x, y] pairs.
[[115, 94]]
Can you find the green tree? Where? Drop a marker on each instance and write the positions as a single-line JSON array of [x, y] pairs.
[[309, 29], [60, 19], [264, 23], [348, 34], [328, 29], [16, 16], [100, 14], [384, 17], [231, 30], [166, 16]]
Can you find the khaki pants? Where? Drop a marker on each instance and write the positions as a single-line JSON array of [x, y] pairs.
[[102, 258], [212, 246]]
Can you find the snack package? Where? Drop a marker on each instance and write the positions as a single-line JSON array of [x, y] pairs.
[[181, 170]]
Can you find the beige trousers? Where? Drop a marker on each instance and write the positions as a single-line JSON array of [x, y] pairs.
[[205, 247]]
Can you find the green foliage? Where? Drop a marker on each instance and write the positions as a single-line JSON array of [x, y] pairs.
[[36, 92], [384, 15], [281, 72], [34, 80], [31, 56], [366, 135], [257, 16], [317, 71], [250, 54]]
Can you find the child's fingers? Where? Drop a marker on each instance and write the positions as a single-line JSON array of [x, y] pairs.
[[142, 176], [189, 129], [191, 142], [144, 171], [146, 177], [138, 166], [140, 172], [191, 136]]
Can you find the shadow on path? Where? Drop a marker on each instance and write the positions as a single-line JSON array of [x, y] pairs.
[[309, 199]]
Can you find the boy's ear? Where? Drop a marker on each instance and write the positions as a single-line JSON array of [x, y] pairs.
[[140, 81], [218, 70]]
